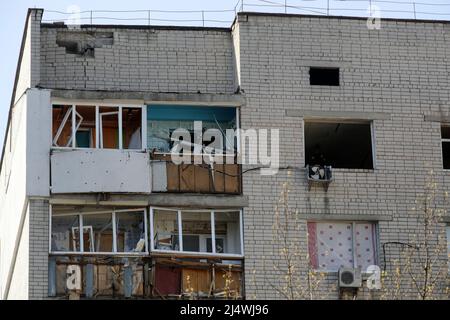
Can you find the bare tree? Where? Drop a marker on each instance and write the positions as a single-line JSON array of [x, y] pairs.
[[420, 271], [298, 280]]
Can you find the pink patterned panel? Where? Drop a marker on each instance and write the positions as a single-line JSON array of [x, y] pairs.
[[312, 244], [365, 245], [334, 246]]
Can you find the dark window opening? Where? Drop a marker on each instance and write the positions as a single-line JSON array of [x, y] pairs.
[[445, 135], [324, 76], [339, 145]]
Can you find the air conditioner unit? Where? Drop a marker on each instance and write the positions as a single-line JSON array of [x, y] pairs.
[[350, 278]]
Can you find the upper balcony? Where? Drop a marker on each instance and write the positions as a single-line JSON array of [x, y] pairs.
[[116, 148]]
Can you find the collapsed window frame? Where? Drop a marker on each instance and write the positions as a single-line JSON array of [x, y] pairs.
[[236, 150], [376, 243], [72, 117], [80, 215], [342, 121], [179, 220]]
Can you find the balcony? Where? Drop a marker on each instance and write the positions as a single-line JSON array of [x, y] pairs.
[[89, 277], [99, 170]]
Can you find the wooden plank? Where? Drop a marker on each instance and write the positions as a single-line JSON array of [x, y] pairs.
[[195, 280], [233, 278], [167, 280], [187, 178], [202, 179], [231, 178], [173, 177], [219, 178]]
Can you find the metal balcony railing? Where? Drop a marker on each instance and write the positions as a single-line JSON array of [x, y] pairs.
[[422, 9]]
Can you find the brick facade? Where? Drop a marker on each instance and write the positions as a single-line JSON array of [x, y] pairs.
[[399, 72]]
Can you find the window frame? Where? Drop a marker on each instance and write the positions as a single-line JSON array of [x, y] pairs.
[[224, 155], [354, 255], [180, 232], [113, 221], [348, 121], [96, 105]]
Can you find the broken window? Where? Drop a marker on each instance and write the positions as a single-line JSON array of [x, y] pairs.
[[228, 233], [109, 128], [110, 231], [319, 76], [445, 136], [65, 237], [165, 230], [339, 144], [333, 245], [100, 232], [196, 229], [131, 127], [163, 120], [130, 226], [85, 133], [106, 127], [205, 231], [62, 125]]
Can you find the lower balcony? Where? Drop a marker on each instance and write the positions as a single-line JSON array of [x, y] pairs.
[[113, 277], [145, 253]]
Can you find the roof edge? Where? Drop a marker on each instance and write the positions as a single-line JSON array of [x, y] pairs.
[[298, 15], [136, 27]]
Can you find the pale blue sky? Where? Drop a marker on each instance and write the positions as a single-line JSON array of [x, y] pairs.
[[13, 18]]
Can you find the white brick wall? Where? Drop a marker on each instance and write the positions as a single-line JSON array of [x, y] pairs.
[[156, 60], [400, 70]]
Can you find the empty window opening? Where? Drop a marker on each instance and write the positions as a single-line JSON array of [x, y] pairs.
[[106, 127], [62, 125], [324, 76], [217, 232], [131, 126], [333, 245], [85, 131], [445, 135], [340, 145], [109, 128], [163, 120]]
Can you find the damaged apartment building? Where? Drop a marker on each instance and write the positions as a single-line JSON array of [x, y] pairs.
[[91, 205]]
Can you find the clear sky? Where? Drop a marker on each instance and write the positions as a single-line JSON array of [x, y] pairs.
[[13, 18]]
